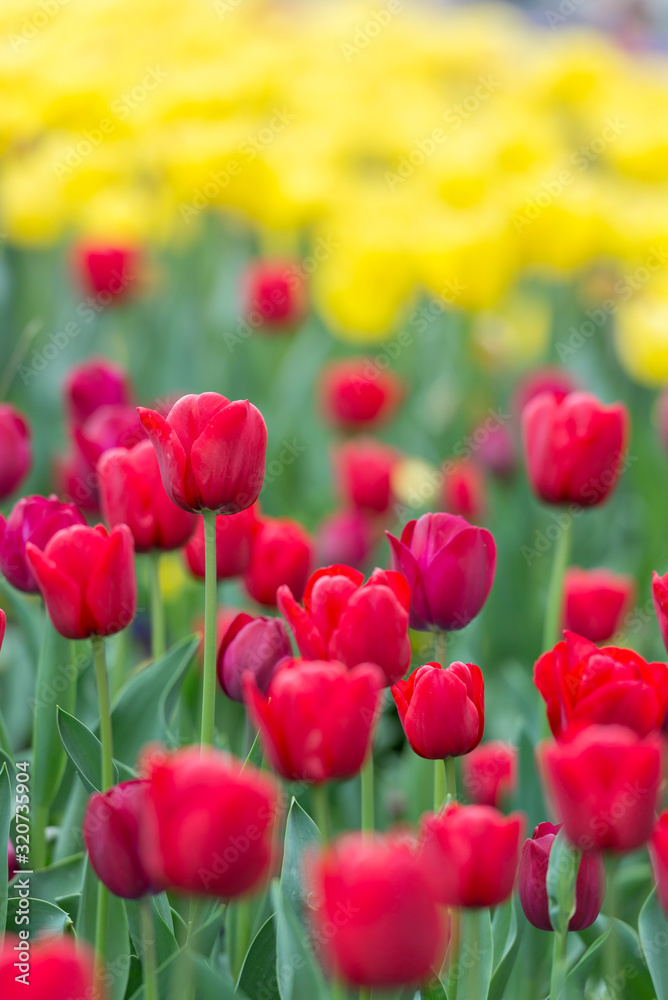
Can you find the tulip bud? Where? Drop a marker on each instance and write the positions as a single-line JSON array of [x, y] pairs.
[[34, 519], [489, 773], [449, 565], [464, 491], [108, 427], [574, 449], [251, 645], [281, 555], [111, 827], [472, 853], [532, 883], [75, 481], [87, 579], [660, 600], [131, 492], [15, 449], [234, 537], [211, 451], [355, 394], [345, 619], [107, 272], [394, 934], [95, 383], [442, 710], [274, 300], [364, 469], [596, 602], [604, 784], [57, 968], [658, 849], [318, 718]]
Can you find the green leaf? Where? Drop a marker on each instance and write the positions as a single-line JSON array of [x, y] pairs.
[[653, 931], [139, 713], [210, 984], [165, 942], [118, 949], [529, 792], [60, 879], [255, 753], [71, 905], [55, 684], [298, 973], [43, 917], [6, 812], [187, 968], [562, 876], [505, 955], [476, 955], [85, 926], [301, 835], [577, 978], [434, 991], [84, 750], [259, 969]]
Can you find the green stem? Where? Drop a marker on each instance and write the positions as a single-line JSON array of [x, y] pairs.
[[321, 809], [149, 964], [440, 784], [243, 933], [39, 821], [453, 968], [368, 820], [157, 608], [441, 648], [365, 993], [555, 596], [558, 977], [210, 609], [5, 743], [610, 955], [450, 777], [101, 924], [102, 916], [337, 990]]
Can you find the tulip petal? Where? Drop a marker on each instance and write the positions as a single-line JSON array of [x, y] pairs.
[[63, 599], [111, 591], [228, 458], [309, 641], [171, 457]]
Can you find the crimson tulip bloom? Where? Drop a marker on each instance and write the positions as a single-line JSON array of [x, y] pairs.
[[108, 427], [449, 565], [660, 599], [582, 684], [107, 272], [658, 849], [34, 519], [364, 470], [210, 827], [464, 491], [234, 537], [87, 579], [351, 621], [604, 784], [318, 718], [377, 893], [15, 449], [472, 853], [574, 449], [346, 537], [131, 492], [442, 710], [355, 394], [55, 968], [281, 556], [596, 602], [251, 645], [76, 482], [274, 295], [532, 882], [95, 383], [211, 451], [489, 773], [111, 827]]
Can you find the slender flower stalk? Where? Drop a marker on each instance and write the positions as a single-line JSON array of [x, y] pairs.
[[149, 964], [555, 594], [157, 608], [368, 811], [210, 610], [321, 809], [102, 917]]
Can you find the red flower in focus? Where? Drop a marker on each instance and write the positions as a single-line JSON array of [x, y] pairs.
[[604, 784], [34, 519], [318, 717], [94, 383], [211, 451], [351, 621], [110, 273], [596, 602], [364, 471], [442, 710], [15, 449], [472, 853], [489, 773], [658, 849], [87, 579], [394, 934], [574, 449], [355, 394], [584, 685], [275, 296], [56, 969], [251, 645], [234, 537], [281, 555], [464, 489]]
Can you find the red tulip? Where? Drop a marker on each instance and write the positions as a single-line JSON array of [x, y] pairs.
[[658, 849], [346, 537], [555, 381], [464, 490], [489, 773], [75, 480], [274, 296], [604, 784], [211, 451], [532, 882], [111, 827], [582, 684], [596, 602], [95, 383], [108, 427], [48, 969], [574, 449], [472, 853], [107, 272], [318, 718], [251, 645], [442, 710], [660, 599], [87, 579], [132, 493], [376, 896], [234, 536], [344, 619], [364, 470], [281, 555], [34, 519], [3, 626], [355, 394], [449, 565], [496, 450], [15, 449], [210, 827]]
